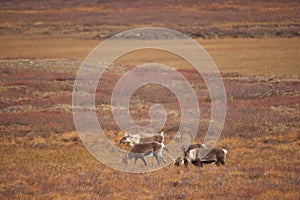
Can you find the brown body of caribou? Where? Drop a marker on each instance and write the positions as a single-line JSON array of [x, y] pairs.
[[194, 154], [133, 139], [140, 151]]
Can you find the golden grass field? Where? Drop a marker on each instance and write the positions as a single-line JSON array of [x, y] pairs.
[[271, 56], [255, 46]]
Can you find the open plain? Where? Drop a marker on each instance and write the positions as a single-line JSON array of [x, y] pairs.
[[255, 46]]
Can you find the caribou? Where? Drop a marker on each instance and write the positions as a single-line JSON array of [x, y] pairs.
[[194, 155], [133, 139], [186, 149], [140, 151]]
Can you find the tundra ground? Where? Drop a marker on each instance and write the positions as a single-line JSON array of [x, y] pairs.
[[255, 46]]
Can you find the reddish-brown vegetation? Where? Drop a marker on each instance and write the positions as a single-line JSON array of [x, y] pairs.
[[100, 19], [42, 156]]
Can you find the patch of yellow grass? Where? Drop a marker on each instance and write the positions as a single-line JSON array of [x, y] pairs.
[[273, 194], [38, 142], [269, 56]]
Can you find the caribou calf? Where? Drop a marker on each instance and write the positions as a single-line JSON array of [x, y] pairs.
[[137, 139], [140, 151]]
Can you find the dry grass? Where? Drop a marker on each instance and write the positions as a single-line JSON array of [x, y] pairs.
[[253, 170], [270, 57], [42, 156], [45, 47]]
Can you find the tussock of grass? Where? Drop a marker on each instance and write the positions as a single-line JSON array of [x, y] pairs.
[[69, 137]]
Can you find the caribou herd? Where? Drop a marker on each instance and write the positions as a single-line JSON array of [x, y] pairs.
[[143, 145]]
